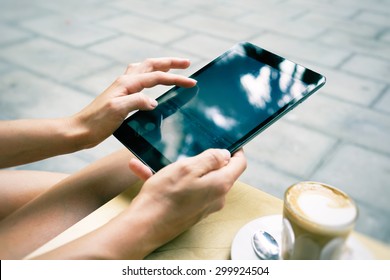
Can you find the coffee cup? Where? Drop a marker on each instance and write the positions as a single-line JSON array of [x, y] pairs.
[[317, 220]]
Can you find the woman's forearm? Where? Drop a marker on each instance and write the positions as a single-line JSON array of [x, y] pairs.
[[130, 235], [65, 204], [25, 141]]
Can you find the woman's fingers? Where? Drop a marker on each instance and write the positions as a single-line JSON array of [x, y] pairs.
[[136, 83], [150, 73], [157, 64], [230, 172], [134, 99], [209, 160]]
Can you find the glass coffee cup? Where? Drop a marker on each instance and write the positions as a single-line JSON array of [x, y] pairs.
[[317, 220]]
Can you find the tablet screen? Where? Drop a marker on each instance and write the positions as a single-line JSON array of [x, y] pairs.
[[235, 97]]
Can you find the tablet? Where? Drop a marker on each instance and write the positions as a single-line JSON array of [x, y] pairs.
[[237, 96]]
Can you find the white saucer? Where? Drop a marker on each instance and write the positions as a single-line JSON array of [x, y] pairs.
[[242, 243]]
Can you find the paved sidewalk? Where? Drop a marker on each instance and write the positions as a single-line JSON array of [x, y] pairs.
[[55, 56]]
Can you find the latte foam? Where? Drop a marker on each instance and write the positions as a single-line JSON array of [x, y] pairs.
[[322, 205]]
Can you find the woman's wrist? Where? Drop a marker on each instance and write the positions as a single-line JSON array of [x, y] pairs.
[[76, 133]]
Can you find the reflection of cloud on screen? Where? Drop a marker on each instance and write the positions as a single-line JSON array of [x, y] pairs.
[[289, 81], [214, 114], [258, 89], [227, 59]]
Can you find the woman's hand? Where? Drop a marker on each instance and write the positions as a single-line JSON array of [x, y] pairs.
[[104, 115], [174, 199]]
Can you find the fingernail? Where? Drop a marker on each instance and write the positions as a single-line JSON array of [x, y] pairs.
[[153, 102], [226, 155]]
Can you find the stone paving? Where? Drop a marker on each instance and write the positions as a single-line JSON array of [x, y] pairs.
[[55, 56]]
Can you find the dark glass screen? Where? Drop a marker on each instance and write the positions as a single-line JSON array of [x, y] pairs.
[[233, 97]]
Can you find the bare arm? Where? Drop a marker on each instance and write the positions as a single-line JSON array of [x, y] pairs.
[[24, 141], [64, 204]]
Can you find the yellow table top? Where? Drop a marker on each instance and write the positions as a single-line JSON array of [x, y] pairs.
[[212, 237]]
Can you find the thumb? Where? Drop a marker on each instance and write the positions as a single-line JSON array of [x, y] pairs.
[[139, 169], [209, 160], [138, 101]]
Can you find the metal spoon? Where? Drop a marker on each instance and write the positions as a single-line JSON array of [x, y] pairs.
[[265, 246]]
